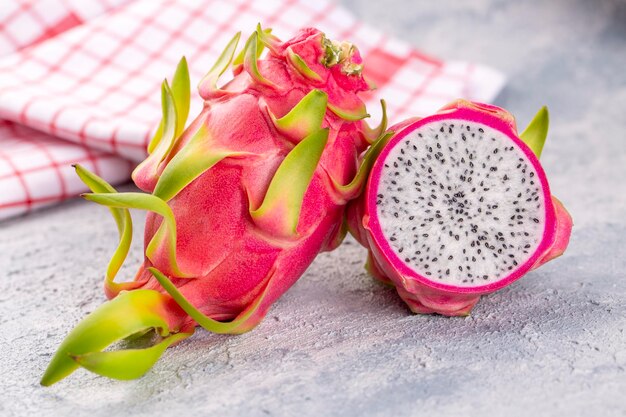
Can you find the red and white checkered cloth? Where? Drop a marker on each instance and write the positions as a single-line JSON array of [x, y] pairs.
[[79, 79]]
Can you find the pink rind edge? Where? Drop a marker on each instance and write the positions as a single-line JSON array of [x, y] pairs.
[[384, 247]]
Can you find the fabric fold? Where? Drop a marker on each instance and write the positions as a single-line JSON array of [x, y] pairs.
[[89, 91]]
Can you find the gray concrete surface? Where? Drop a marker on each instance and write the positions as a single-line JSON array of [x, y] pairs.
[[338, 344]]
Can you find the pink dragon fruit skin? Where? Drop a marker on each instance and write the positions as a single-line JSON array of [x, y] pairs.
[[233, 255], [421, 293], [239, 204]]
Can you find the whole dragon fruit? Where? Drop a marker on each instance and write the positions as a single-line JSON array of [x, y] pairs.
[[457, 205], [240, 202]]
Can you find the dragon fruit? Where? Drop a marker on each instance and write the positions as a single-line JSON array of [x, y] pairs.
[[457, 205], [239, 203]]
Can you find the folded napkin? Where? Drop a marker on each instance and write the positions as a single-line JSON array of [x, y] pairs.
[[80, 79]]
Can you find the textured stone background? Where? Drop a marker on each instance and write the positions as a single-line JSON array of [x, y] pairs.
[[338, 344]]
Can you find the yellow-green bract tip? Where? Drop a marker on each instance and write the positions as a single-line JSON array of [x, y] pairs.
[[536, 132]]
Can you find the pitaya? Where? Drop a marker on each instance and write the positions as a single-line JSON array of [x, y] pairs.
[[239, 203], [457, 205]]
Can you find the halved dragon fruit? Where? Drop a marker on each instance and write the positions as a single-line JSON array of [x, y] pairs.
[[240, 202], [457, 205]]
